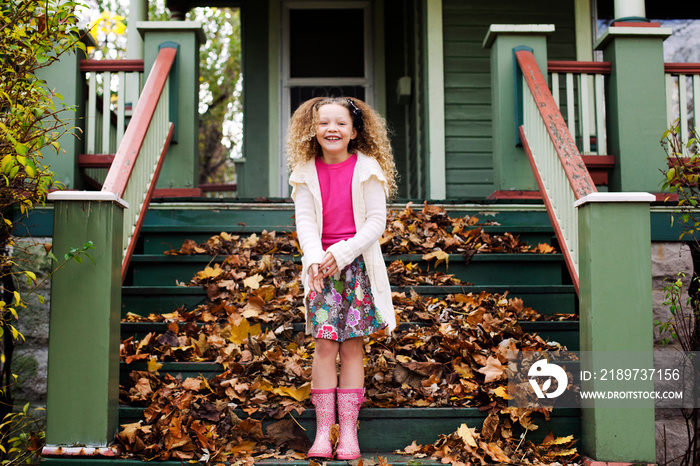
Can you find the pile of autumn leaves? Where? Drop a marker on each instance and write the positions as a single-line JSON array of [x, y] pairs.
[[448, 351]]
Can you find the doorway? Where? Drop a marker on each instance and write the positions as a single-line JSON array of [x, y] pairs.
[[326, 51]]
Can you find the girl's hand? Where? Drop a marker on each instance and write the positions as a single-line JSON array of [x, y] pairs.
[[315, 278], [328, 265]]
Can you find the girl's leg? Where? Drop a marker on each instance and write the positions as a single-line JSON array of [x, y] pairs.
[[324, 372], [323, 395], [352, 365], [350, 397]]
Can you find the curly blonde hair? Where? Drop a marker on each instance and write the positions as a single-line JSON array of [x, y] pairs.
[[372, 135]]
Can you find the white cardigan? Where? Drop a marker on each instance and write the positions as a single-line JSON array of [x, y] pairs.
[[369, 192]]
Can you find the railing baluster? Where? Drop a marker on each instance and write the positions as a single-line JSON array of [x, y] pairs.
[[91, 113], [120, 106], [106, 120], [104, 129], [570, 106], [670, 113], [551, 149], [683, 106], [585, 113], [696, 97], [555, 88], [601, 132]]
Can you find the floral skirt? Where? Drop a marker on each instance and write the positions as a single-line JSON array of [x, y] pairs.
[[345, 309]]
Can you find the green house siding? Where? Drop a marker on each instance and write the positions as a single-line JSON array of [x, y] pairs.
[[468, 139]]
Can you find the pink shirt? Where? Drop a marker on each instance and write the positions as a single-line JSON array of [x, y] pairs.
[[335, 181]]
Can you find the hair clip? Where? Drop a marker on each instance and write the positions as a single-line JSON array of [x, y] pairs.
[[356, 115]]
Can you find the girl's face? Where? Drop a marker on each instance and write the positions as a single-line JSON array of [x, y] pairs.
[[334, 131]]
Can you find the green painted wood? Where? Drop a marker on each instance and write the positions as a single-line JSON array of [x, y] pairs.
[[520, 219], [638, 70], [390, 457], [254, 173], [468, 83], [549, 299], [181, 166], [616, 315], [422, 425], [483, 269], [64, 77], [159, 300], [82, 399]]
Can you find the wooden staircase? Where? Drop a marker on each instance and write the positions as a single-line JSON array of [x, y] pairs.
[[540, 280]]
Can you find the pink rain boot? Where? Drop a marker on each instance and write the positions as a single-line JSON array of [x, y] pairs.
[[349, 401], [324, 402]]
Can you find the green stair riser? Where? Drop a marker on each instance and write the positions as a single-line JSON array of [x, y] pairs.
[[389, 429], [158, 239], [544, 299], [565, 332], [483, 269], [233, 214]]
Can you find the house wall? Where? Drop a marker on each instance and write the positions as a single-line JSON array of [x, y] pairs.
[[468, 129]]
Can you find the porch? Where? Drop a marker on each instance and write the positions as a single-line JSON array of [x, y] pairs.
[[453, 143]]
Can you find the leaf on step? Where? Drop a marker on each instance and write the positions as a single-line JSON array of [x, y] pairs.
[[240, 332], [440, 256], [467, 435], [493, 370], [153, 365], [298, 393], [253, 282], [495, 452], [210, 272]]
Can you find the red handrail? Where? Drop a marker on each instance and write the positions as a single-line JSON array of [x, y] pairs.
[[111, 65], [588, 67], [124, 161], [571, 161], [682, 68], [569, 156], [142, 215]]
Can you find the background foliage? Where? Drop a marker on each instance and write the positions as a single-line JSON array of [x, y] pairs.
[[221, 85], [33, 35]]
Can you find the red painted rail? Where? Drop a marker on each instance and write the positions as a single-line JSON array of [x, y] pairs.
[[558, 152], [149, 111], [100, 66], [682, 68], [579, 67], [135, 134], [569, 156]]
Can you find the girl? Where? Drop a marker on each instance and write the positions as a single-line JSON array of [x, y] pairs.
[[342, 173]]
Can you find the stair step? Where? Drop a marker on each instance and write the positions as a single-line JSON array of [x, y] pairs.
[[158, 239], [545, 299], [390, 429], [489, 269], [564, 332], [390, 457]]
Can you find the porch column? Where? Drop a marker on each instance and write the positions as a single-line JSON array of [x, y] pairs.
[[66, 78], [511, 170], [83, 379], [629, 10], [616, 316], [181, 167], [435, 86], [138, 11], [635, 104]]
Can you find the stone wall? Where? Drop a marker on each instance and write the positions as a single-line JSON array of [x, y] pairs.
[[31, 356], [667, 260]]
